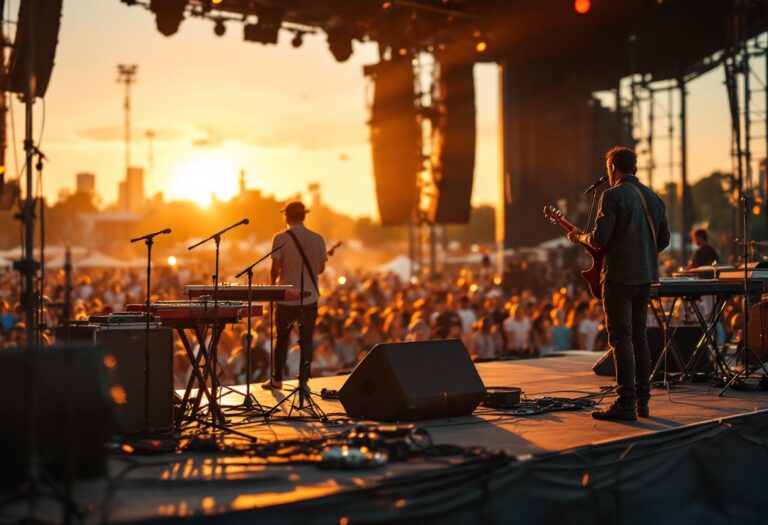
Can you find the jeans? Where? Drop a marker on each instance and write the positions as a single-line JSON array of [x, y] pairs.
[[285, 317], [626, 310]]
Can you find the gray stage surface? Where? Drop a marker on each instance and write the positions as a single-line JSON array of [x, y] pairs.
[[238, 489]]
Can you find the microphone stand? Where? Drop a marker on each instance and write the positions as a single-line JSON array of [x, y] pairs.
[[250, 401], [747, 371], [149, 240], [212, 351]]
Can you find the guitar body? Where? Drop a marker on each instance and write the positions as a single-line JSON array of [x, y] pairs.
[[591, 274]]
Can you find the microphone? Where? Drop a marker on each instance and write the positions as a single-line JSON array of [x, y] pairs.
[[218, 234], [594, 186], [151, 235]]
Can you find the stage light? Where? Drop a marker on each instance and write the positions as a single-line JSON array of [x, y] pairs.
[[340, 43], [298, 39], [342, 280], [171, 260], [219, 28], [402, 51], [217, 2], [582, 6], [267, 29], [481, 46], [756, 209], [497, 281], [168, 14], [386, 6]]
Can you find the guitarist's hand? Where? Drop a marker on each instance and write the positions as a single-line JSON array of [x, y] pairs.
[[574, 235]]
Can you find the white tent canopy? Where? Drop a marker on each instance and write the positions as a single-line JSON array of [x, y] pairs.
[[100, 260], [400, 266]]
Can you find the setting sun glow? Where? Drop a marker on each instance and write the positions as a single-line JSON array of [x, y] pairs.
[[200, 177]]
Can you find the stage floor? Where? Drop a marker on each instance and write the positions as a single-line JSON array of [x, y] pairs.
[[143, 488]]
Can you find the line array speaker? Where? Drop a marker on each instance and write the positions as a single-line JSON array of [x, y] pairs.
[[456, 144], [44, 37], [395, 140]]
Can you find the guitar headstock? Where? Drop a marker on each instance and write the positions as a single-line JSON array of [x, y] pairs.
[[553, 214], [336, 245]]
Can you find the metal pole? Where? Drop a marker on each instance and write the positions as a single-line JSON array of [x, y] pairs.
[[684, 197], [651, 158], [125, 75], [747, 127], [504, 189], [432, 250]]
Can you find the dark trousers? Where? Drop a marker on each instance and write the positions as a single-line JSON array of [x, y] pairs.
[[626, 310], [285, 318]]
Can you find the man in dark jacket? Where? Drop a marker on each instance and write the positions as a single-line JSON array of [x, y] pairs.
[[630, 265]]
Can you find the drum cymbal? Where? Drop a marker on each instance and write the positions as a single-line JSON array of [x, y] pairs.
[[751, 243]]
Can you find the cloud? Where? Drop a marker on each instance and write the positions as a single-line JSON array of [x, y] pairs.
[[117, 134], [312, 138]]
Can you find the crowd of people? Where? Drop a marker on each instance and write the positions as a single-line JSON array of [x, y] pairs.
[[530, 311]]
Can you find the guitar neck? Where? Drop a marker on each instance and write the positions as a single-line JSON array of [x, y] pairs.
[[565, 224]]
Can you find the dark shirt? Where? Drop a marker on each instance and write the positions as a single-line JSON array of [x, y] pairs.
[[444, 322], [703, 256], [622, 232]]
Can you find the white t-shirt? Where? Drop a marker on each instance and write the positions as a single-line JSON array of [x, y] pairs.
[[468, 320], [517, 332], [589, 329], [290, 260]]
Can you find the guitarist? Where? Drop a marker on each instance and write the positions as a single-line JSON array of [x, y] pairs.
[[302, 249], [630, 228]]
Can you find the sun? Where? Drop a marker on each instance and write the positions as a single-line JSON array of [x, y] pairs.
[[199, 177]]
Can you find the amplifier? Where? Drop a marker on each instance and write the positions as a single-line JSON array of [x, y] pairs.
[[126, 346], [685, 337]]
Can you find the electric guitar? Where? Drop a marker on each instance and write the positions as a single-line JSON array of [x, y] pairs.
[[591, 274], [333, 248]]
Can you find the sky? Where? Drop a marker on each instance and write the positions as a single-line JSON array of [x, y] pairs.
[[288, 117]]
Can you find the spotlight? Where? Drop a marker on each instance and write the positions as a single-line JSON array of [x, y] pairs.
[[168, 14], [582, 7], [298, 39], [339, 42], [481, 46], [219, 28]]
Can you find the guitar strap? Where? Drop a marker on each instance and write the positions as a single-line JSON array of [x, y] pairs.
[[304, 258], [647, 213]]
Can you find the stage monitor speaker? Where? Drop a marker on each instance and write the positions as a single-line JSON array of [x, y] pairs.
[[74, 411], [456, 145], [395, 140], [413, 381], [685, 336], [605, 365], [46, 19], [126, 345]]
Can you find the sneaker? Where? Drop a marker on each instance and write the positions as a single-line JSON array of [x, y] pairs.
[[642, 408], [618, 411], [271, 384]]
